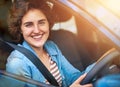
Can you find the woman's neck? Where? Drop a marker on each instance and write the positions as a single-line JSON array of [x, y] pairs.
[[44, 57]]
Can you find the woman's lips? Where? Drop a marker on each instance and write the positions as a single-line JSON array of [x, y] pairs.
[[37, 37]]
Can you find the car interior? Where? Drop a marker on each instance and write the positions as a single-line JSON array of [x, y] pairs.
[[80, 41]]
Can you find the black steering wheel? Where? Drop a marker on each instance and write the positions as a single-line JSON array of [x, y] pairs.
[[100, 64]]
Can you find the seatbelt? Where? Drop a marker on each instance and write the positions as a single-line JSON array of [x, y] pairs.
[[35, 60]]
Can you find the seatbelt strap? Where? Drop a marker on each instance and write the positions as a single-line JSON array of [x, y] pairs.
[[35, 60]]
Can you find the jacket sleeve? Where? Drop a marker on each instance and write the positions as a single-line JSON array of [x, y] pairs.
[[17, 65]]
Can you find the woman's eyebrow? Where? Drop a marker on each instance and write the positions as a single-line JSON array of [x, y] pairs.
[[27, 23], [41, 20]]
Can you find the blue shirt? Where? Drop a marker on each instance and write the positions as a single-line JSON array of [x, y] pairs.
[[17, 63]]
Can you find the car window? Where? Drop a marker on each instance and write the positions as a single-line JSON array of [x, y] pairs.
[[65, 25], [12, 80], [106, 13]]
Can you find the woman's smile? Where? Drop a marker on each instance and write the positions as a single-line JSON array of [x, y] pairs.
[[37, 37]]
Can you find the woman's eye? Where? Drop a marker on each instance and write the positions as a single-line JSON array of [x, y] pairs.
[[42, 22], [28, 25]]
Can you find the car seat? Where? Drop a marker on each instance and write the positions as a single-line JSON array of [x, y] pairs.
[[67, 43]]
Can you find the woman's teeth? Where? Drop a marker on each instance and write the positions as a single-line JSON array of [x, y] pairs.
[[36, 37]]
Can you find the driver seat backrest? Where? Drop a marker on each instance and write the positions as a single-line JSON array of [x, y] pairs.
[[67, 43], [4, 53]]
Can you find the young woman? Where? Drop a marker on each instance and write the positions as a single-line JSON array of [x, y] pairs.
[[30, 23]]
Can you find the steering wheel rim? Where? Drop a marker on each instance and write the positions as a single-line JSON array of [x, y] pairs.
[[104, 60]]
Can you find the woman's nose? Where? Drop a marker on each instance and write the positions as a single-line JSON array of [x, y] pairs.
[[36, 29]]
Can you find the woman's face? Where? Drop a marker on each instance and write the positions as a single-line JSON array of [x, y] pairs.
[[35, 28]]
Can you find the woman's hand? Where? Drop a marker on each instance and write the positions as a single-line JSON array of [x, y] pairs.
[[77, 82]]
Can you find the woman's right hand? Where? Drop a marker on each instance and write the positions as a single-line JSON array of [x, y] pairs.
[[78, 81]]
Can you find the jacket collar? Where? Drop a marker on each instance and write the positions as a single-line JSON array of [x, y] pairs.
[[49, 47]]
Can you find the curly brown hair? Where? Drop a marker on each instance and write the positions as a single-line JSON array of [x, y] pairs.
[[19, 8]]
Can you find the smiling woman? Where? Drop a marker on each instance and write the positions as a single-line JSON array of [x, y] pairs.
[[81, 37], [30, 23]]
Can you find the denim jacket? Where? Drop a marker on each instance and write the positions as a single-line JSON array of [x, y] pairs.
[[17, 63]]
